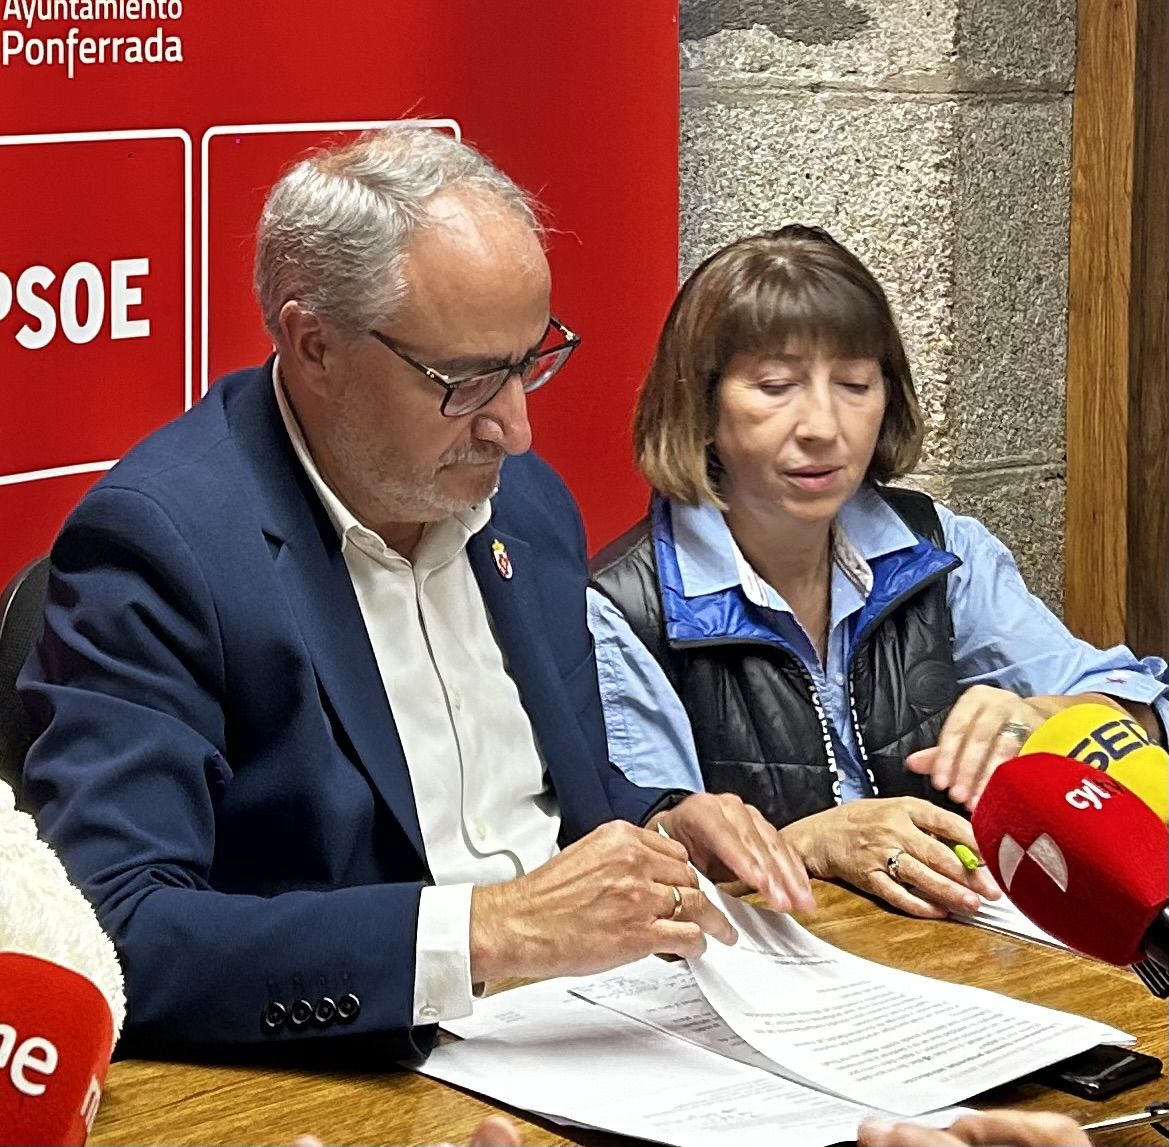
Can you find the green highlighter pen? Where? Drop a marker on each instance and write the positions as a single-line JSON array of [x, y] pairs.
[[966, 855]]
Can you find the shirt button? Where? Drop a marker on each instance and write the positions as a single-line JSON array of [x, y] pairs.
[[480, 830], [429, 1013], [456, 699], [839, 678]]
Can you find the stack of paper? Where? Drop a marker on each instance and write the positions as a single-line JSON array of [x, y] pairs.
[[780, 1031], [545, 1050], [1002, 916]]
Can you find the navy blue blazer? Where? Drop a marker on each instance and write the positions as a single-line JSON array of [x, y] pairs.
[[219, 767]]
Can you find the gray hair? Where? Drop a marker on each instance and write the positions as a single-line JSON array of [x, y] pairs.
[[335, 228]]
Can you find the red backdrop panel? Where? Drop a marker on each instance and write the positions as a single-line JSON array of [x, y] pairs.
[[579, 103], [96, 356]]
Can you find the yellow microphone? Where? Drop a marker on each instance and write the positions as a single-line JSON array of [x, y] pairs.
[[1111, 741]]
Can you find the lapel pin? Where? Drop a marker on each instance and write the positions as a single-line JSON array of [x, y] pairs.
[[502, 561]]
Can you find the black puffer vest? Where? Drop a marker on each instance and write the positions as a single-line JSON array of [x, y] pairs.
[[758, 723]]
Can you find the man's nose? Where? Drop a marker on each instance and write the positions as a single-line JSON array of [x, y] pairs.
[[504, 420]]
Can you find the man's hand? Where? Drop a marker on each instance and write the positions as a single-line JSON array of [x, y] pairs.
[[729, 840], [1005, 1128], [854, 841], [496, 1131], [602, 902]]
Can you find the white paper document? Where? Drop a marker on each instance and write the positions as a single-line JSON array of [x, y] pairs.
[[865, 1032], [542, 1049], [1002, 916]]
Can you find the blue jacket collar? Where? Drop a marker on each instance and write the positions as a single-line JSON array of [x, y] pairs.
[[705, 548], [703, 600]]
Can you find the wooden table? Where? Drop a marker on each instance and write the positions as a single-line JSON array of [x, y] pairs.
[[153, 1103]]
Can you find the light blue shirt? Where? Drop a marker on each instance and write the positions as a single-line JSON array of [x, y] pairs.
[[1003, 636]]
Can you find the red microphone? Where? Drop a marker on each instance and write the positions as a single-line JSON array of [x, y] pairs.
[[1080, 855], [56, 1039]]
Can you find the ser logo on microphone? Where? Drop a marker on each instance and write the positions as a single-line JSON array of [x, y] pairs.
[[1112, 743], [1109, 743]]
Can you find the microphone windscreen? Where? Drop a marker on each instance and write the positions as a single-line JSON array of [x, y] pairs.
[[1078, 853], [56, 1039], [1110, 741]]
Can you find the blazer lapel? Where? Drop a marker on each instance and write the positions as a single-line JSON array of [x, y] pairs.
[[309, 562], [511, 600], [513, 604], [322, 598]]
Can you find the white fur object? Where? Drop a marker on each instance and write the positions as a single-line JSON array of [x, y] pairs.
[[42, 914]]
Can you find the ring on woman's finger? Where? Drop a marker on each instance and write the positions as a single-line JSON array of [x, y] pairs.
[[892, 865], [1017, 730], [677, 903]]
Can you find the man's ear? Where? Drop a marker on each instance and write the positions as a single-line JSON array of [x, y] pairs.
[[308, 345]]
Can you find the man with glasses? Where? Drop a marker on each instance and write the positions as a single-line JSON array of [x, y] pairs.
[[321, 734]]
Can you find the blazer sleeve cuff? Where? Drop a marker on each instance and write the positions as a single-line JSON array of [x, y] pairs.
[[669, 799]]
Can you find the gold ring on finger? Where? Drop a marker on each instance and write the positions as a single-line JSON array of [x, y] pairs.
[[677, 902]]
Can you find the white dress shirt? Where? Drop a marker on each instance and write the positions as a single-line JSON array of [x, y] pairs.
[[485, 808]]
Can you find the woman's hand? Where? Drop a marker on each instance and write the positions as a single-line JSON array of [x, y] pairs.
[[985, 727], [854, 841], [973, 741]]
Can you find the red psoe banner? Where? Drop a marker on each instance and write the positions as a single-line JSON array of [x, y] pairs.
[[138, 139], [94, 299]]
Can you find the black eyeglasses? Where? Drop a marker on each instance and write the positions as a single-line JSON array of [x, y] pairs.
[[467, 393]]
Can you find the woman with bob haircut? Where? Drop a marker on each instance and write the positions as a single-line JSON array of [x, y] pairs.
[[786, 626]]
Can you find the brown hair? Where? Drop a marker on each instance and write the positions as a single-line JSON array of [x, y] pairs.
[[758, 295]]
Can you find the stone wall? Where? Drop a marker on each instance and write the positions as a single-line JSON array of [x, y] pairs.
[[933, 137]]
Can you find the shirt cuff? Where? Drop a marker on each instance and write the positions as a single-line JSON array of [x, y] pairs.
[[1122, 684], [442, 963], [1161, 710]]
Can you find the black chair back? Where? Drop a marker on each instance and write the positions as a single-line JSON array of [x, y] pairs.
[[22, 609]]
